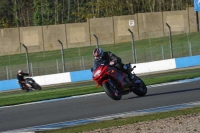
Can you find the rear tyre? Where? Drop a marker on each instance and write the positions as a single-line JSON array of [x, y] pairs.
[[111, 92], [139, 87], [24, 88]]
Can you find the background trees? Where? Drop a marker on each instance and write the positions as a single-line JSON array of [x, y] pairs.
[[14, 13]]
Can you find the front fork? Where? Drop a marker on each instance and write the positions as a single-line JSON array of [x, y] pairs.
[[111, 84], [113, 88]]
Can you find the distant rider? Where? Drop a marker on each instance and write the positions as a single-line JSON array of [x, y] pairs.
[[20, 77], [108, 58]]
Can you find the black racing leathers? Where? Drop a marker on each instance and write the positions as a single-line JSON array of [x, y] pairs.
[[21, 79], [107, 58]]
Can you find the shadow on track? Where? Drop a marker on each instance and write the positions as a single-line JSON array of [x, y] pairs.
[[164, 93]]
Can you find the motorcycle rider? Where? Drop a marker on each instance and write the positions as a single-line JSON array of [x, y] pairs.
[[20, 77], [108, 58]]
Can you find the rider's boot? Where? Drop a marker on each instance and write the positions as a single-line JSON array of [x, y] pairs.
[[22, 87], [127, 79], [132, 77], [127, 68]]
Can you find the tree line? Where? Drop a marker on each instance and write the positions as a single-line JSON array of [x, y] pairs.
[[22, 13]]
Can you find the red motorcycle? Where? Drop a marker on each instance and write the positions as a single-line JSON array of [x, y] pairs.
[[117, 83]]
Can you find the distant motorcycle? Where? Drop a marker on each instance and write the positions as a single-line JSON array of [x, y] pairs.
[[117, 83], [30, 84]]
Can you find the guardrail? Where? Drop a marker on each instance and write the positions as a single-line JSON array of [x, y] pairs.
[[84, 75]]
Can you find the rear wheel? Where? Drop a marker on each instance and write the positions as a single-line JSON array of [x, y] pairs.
[[111, 92], [25, 88], [139, 87]]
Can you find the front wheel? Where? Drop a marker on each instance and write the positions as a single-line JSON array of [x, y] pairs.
[[139, 87], [37, 86], [111, 92]]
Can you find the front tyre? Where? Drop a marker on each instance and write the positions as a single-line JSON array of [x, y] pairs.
[[139, 87], [111, 92], [37, 86]]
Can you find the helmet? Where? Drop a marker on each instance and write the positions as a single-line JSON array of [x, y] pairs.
[[20, 71], [98, 53]]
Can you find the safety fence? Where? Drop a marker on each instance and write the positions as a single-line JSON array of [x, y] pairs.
[[85, 75], [80, 58]]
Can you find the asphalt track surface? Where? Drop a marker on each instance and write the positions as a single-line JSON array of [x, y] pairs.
[[55, 111]]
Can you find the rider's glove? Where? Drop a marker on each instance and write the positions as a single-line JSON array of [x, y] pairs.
[[112, 63], [125, 67]]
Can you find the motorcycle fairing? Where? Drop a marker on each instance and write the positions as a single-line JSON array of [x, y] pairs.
[[117, 75], [98, 74]]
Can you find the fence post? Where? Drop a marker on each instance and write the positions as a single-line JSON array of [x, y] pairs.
[[97, 46], [170, 37], [190, 48], [162, 52], [83, 62], [133, 47], [189, 44], [27, 58], [7, 72], [57, 66], [63, 54], [136, 55], [32, 69], [197, 19]]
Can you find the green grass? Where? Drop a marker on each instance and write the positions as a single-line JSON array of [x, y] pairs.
[[22, 97]]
